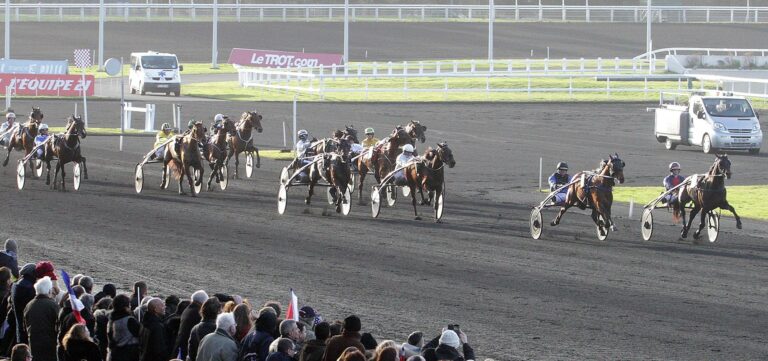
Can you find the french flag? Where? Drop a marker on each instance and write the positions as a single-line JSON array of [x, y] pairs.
[[77, 306], [293, 308]]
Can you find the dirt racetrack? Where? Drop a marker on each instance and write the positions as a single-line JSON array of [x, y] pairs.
[[566, 297]]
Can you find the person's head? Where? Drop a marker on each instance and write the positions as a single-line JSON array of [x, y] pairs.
[[242, 313], [352, 354], [191, 124], [5, 276], [199, 297], [171, 302], [229, 306], [121, 302], [562, 168], [416, 339], [450, 338], [76, 332], [166, 128], [289, 328], [156, 306], [338, 133], [43, 286], [369, 133], [385, 344], [11, 245], [104, 303], [322, 331], [408, 149], [303, 134], [21, 352], [79, 290], [140, 287], [416, 358], [226, 323], [87, 300], [674, 168], [109, 290], [210, 309], [352, 324], [218, 118], [307, 314], [368, 341], [182, 306], [336, 327], [43, 129], [275, 306], [28, 272], [285, 345], [267, 320], [388, 353], [10, 117], [87, 283], [45, 269]]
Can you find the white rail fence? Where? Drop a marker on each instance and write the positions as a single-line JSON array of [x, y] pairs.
[[748, 87], [661, 53], [387, 12]]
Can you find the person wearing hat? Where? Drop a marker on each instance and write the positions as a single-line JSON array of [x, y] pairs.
[[370, 140], [165, 134], [9, 258], [413, 346], [45, 268], [350, 337], [41, 137], [314, 349], [10, 120], [22, 292], [558, 179], [446, 347], [309, 318], [671, 181], [402, 160], [255, 345], [218, 122], [40, 319]]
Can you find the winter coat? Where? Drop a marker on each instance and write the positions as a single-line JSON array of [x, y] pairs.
[[217, 346], [123, 336], [279, 356], [100, 331], [189, 318], [152, 339], [10, 260], [78, 350], [200, 330], [22, 293], [313, 350], [429, 350], [255, 346], [337, 344], [40, 323]]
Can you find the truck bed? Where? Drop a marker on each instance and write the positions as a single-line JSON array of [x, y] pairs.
[[671, 122]]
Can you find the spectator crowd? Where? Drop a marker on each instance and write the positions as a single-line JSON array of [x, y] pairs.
[[42, 321]]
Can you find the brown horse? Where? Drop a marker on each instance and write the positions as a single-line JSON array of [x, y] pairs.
[[706, 194], [596, 192], [429, 175], [182, 155], [24, 138], [334, 169], [416, 131], [66, 148], [381, 159], [216, 151], [241, 140]]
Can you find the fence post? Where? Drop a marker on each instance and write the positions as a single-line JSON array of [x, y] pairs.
[[599, 64], [455, 66], [421, 67], [509, 66], [608, 85], [389, 68], [437, 67], [375, 68], [565, 64], [570, 86], [528, 65], [405, 69], [546, 65], [616, 64]]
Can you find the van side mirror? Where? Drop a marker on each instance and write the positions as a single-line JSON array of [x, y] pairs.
[[181, 67], [700, 114], [138, 67]]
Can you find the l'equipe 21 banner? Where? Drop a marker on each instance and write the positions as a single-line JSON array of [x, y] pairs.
[[46, 85]]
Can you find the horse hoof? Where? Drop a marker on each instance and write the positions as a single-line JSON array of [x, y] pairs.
[[306, 201], [552, 223], [738, 225], [438, 221], [417, 218], [182, 193], [338, 209], [258, 165], [696, 236]]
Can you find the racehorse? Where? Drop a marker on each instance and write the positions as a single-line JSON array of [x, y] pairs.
[[596, 192], [428, 174], [24, 139], [334, 169], [241, 140], [216, 151], [381, 159], [66, 148], [183, 154], [706, 194], [350, 134], [416, 131]]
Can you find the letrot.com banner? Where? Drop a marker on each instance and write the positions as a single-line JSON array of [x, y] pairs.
[[281, 59], [49, 85], [15, 66]]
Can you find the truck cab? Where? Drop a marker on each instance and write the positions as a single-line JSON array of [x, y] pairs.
[[713, 122], [152, 71]]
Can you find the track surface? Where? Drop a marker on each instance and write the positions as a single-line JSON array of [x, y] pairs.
[[567, 296]]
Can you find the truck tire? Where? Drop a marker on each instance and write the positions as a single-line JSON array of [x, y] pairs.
[[177, 93], [754, 151], [133, 90], [141, 89], [669, 145], [706, 145], [660, 139]]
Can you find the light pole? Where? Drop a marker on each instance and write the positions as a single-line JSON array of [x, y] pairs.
[[346, 31], [7, 29], [101, 35], [491, 16], [214, 46], [648, 44]]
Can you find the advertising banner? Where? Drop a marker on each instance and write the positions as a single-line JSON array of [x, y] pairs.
[[46, 85], [282, 59], [16, 66]]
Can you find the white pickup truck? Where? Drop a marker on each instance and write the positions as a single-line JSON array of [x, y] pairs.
[[713, 122]]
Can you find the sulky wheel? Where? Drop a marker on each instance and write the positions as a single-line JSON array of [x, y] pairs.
[[20, 174], [375, 201], [352, 181], [284, 176], [197, 182], [138, 179], [646, 224], [282, 198], [537, 225], [248, 164], [713, 226], [439, 209], [602, 231], [346, 204], [38, 165], [224, 177], [331, 201], [77, 174], [406, 191]]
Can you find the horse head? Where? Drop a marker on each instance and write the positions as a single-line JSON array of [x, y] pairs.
[[198, 131], [229, 126], [252, 119], [445, 154], [721, 166], [36, 115], [76, 126], [616, 167], [351, 133], [416, 130]]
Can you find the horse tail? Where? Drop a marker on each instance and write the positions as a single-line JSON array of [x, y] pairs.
[[676, 206], [176, 168]]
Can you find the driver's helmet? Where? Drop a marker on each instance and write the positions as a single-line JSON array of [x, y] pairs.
[[338, 133], [165, 126], [562, 166], [10, 115], [407, 148], [674, 166], [303, 134], [369, 131], [43, 127], [218, 118], [191, 124]]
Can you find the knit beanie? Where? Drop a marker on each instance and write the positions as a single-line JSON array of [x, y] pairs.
[[352, 324], [10, 245], [450, 338]]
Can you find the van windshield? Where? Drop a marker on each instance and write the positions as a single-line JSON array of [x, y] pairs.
[[734, 108], [158, 62]]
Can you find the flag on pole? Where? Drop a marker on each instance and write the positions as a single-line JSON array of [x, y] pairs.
[[77, 306], [293, 308]]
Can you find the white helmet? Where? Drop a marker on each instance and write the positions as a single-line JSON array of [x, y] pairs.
[[303, 132], [43, 126], [407, 148], [10, 115], [218, 118], [674, 166]]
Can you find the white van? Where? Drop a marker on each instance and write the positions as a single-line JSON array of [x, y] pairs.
[[155, 72]]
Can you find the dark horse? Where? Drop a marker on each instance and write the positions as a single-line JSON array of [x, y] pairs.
[[429, 175], [66, 148], [334, 169], [24, 139], [216, 151], [707, 194], [595, 191], [350, 134], [416, 131], [382, 158], [241, 139], [183, 154]]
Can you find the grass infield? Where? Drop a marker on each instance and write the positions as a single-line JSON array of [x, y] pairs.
[[749, 201]]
